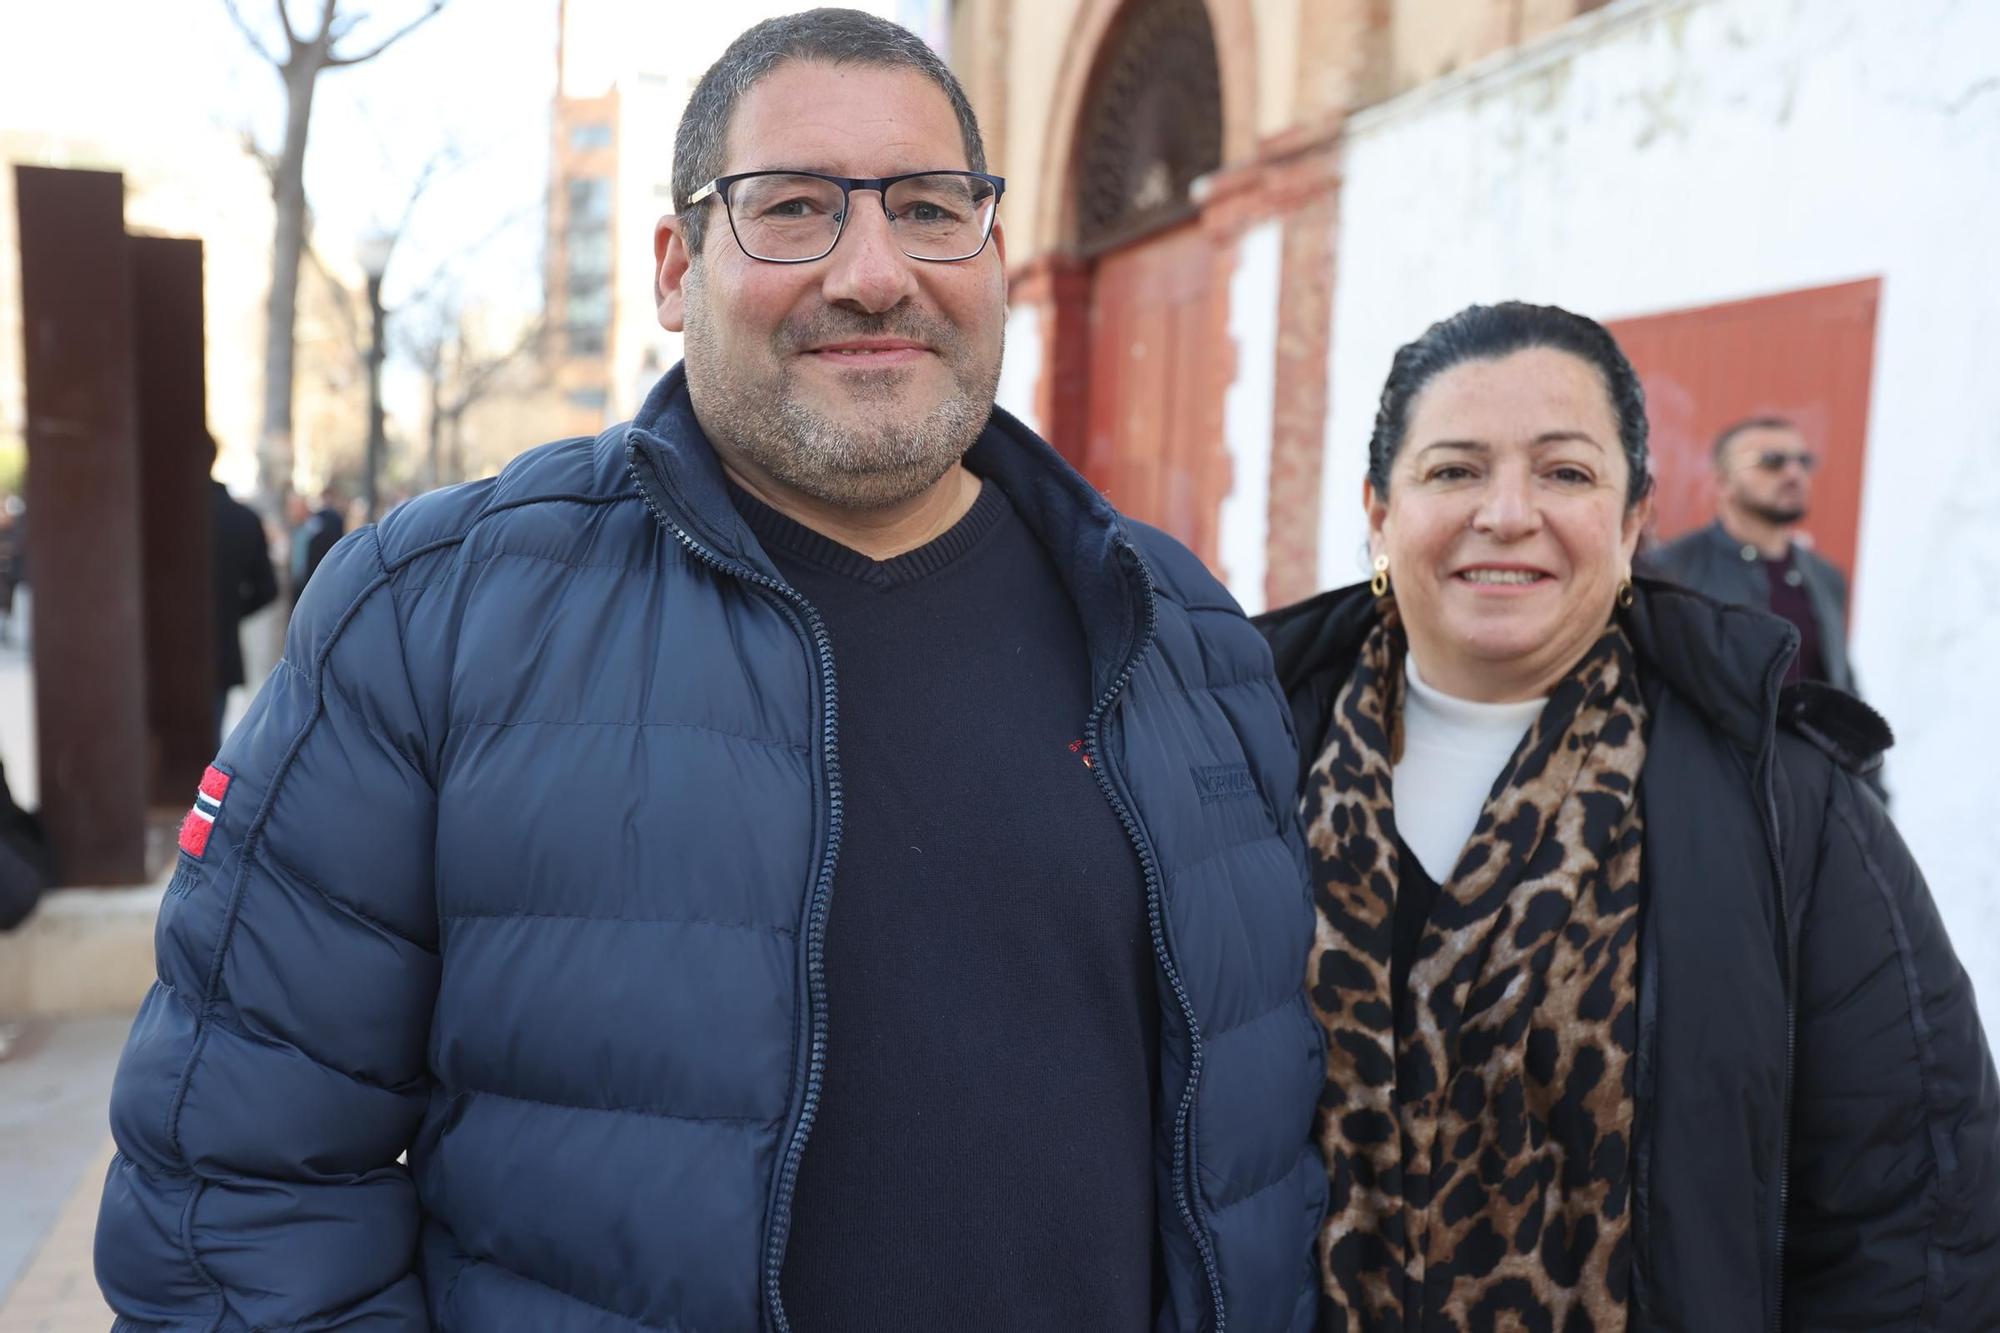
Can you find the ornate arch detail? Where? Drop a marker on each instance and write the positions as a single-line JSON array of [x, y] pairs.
[[1079, 85]]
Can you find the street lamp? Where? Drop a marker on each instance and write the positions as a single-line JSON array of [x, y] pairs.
[[374, 255]]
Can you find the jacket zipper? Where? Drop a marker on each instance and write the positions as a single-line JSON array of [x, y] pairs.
[[1770, 816], [1187, 1196], [807, 621]]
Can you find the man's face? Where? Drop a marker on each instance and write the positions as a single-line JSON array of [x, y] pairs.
[[859, 379], [1767, 471]]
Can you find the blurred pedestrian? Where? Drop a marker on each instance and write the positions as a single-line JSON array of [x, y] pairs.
[[1640, 1014], [800, 859], [244, 584], [25, 866], [13, 563], [1752, 555], [314, 532]]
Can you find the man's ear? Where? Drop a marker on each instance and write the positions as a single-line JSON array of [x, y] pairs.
[[670, 269]]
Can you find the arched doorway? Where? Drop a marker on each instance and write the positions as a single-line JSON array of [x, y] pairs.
[[1151, 125]]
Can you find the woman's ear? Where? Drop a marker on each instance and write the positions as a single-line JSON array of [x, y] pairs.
[[1638, 517]]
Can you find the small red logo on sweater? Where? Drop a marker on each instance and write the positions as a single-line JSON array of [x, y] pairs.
[[1076, 747], [200, 821]]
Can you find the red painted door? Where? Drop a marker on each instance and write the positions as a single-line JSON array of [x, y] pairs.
[[1807, 356], [1154, 443]]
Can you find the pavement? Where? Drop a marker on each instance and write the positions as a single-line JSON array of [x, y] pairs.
[[55, 1144]]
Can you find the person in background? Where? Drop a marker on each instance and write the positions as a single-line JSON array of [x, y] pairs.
[[1751, 554], [798, 860], [314, 532], [1640, 1014], [26, 868], [244, 583], [13, 566]]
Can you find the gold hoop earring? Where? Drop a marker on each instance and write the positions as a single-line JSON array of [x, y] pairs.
[[1379, 585], [1625, 594]]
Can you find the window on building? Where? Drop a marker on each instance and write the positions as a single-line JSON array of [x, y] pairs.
[[585, 340], [594, 399], [589, 253], [590, 304], [589, 200], [593, 134]]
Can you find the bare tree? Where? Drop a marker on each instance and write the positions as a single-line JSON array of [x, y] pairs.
[[458, 374], [307, 55]]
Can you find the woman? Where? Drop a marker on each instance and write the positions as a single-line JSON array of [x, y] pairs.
[[1639, 1014]]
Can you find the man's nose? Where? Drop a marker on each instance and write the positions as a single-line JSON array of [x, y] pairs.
[[868, 269]]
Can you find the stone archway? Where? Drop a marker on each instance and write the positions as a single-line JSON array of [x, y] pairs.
[[1085, 55], [1146, 112]]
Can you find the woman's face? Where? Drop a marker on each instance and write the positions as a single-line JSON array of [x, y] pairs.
[[1505, 523]]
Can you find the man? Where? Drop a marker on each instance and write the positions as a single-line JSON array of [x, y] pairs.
[[1751, 555], [800, 860], [314, 531], [244, 584]]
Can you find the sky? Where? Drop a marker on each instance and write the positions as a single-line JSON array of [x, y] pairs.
[[474, 83]]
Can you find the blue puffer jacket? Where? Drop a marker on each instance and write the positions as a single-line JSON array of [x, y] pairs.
[[522, 864]]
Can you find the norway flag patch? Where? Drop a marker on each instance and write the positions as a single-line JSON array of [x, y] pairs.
[[200, 821]]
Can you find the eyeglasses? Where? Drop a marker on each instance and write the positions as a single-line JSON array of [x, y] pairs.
[[1774, 460], [796, 217]]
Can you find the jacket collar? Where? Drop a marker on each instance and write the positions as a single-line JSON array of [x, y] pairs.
[[1726, 661], [1087, 539]]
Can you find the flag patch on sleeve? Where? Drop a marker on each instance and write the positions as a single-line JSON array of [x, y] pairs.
[[200, 821]]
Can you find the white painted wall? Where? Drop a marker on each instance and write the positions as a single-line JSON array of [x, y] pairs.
[[1244, 524], [1021, 366], [1661, 154]]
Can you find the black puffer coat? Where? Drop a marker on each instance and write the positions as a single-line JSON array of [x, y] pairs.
[[1818, 1141]]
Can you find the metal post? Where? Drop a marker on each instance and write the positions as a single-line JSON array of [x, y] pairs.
[[83, 509]]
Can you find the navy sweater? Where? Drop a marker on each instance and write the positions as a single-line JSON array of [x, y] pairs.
[[983, 1156]]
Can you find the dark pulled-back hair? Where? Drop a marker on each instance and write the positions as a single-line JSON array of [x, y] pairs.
[[835, 36], [1489, 332]]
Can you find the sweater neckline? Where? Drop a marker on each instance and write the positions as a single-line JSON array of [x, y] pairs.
[[780, 532]]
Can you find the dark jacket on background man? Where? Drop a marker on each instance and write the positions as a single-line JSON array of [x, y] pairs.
[[244, 580], [522, 864], [311, 543], [1817, 1139], [1711, 561]]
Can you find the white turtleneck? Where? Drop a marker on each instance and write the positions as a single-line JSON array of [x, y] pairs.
[[1453, 749]]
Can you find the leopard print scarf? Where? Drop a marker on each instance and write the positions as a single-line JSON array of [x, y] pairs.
[[1478, 1139]]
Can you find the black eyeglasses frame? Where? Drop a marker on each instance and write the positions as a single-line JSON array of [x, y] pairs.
[[719, 188], [1777, 460]]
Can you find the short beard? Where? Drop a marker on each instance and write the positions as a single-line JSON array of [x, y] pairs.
[[1776, 515], [867, 468]]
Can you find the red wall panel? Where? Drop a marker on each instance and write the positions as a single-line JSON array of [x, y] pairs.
[[1807, 356]]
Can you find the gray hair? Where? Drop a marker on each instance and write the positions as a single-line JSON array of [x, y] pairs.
[[835, 36]]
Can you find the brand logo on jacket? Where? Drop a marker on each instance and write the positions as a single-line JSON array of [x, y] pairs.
[[200, 821], [1224, 782]]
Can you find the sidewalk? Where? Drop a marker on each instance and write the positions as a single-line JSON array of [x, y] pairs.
[[55, 1144]]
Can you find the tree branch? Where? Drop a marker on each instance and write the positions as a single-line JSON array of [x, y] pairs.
[[267, 162], [285, 17], [256, 42], [430, 12], [474, 384]]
